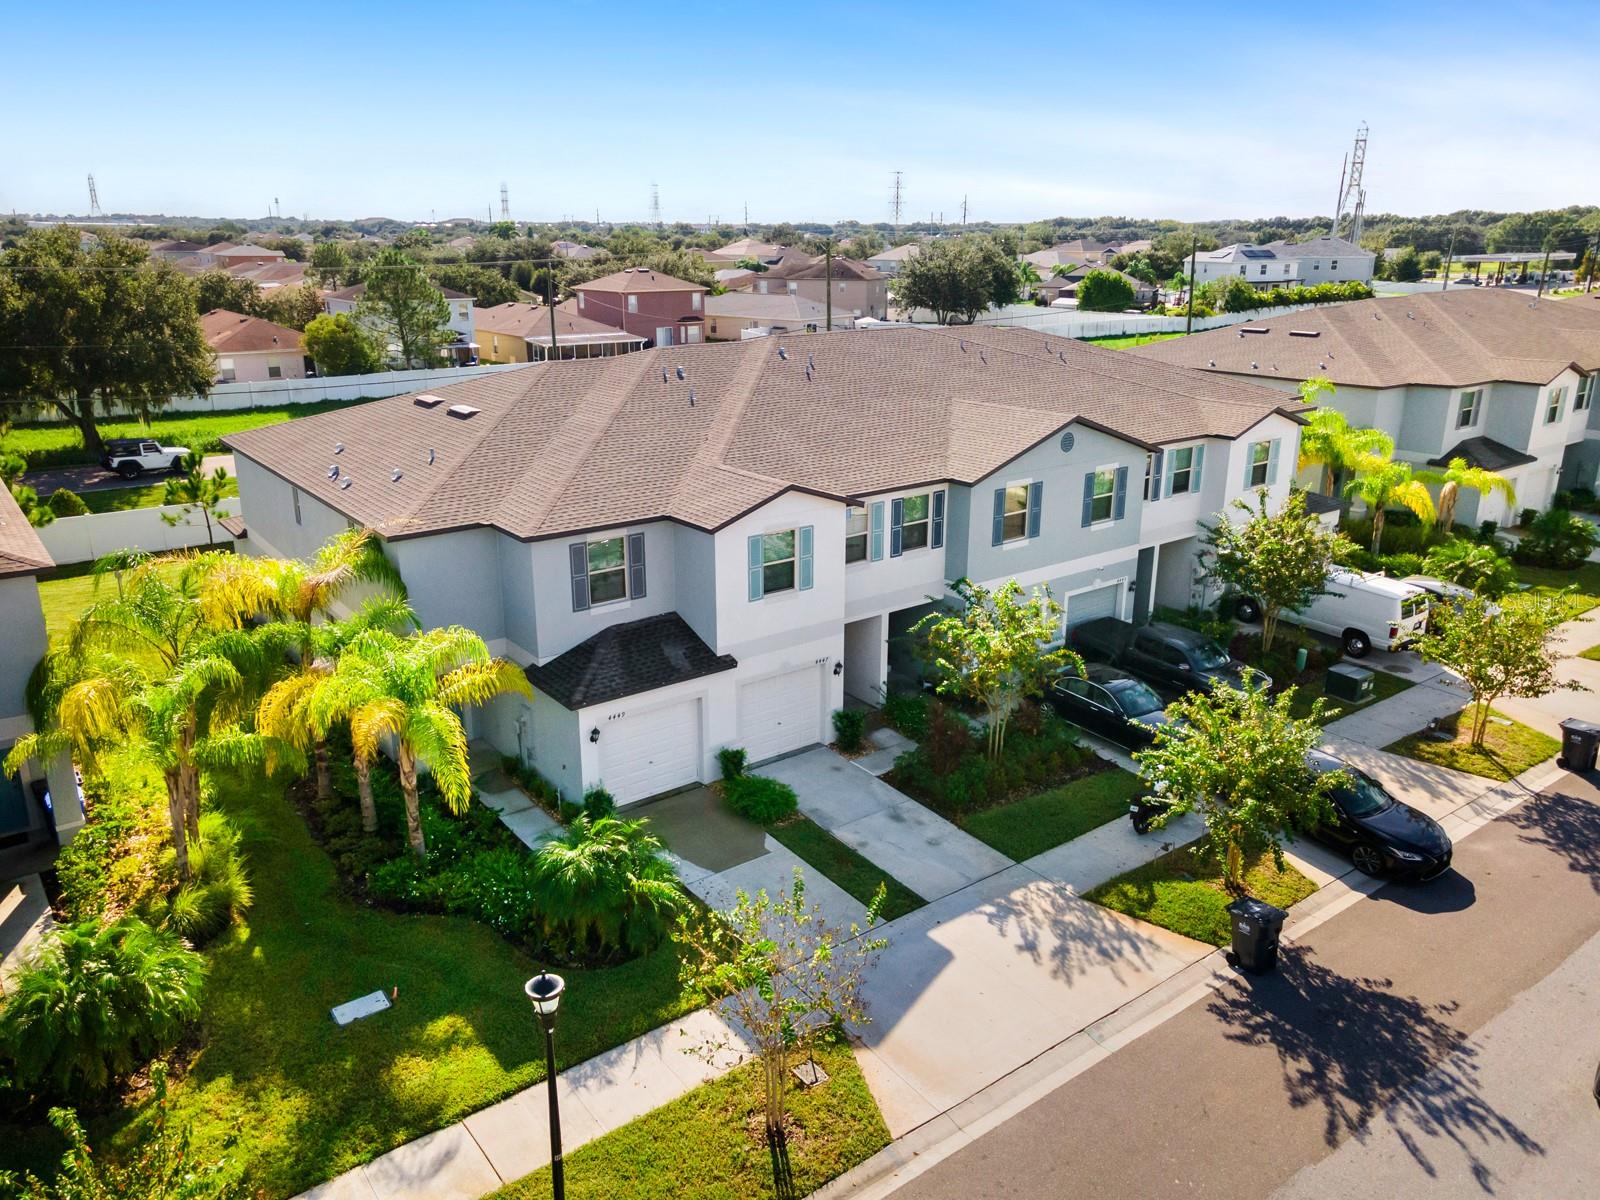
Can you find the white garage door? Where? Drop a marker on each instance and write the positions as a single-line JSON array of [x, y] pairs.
[[1086, 606], [780, 713], [645, 753]]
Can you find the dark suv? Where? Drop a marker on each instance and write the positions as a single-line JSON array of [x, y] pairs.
[[1169, 656]]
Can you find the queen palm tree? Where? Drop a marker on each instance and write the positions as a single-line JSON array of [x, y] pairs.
[[1340, 449], [1381, 485], [408, 689], [1458, 475]]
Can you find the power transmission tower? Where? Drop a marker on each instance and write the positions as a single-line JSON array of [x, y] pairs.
[[1352, 196], [655, 205], [897, 199], [94, 198], [963, 212], [505, 203]]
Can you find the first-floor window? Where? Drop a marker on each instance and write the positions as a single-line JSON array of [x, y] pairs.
[[777, 562], [274, 371], [608, 571], [855, 535], [914, 522], [1182, 470], [1105, 491], [1014, 521], [1260, 461]]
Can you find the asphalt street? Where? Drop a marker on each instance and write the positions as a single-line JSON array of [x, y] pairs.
[[1368, 1021]]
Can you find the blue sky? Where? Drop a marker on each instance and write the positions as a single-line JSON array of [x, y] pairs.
[[1029, 110]]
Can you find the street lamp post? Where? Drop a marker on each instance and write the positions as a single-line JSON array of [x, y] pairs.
[[545, 989]]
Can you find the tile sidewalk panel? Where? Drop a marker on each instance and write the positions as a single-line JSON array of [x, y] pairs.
[[833, 791], [512, 800], [447, 1165], [532, 825], [352, 1185], [1392, 719], [627, 1082], [921, 849], [1104, 853]]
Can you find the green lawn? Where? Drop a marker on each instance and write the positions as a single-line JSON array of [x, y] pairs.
[[1384, 685], [1183, 892], [1592, 654], [149, 495], [822, 851], [70, 590], [1034, 824], [701, 1144], [1585, 579], [54, 445], [1507, 751], [1135, 339], [291, 1098]]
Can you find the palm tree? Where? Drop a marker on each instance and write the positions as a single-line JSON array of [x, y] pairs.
[[604, 884], [1329, 441], [1384, 484], [408, 689], [1458, 475]]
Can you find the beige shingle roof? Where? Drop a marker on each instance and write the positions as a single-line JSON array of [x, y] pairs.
[[1446, 339], [638, 279], [21, 551], [234, 333], [561, 447]]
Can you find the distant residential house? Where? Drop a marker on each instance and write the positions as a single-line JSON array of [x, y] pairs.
[[1288, 264], [464, 242], [173, 251], [227, 255], [574, 250], [516, 332], [646, 303], [253, 350], [271, 276], [891, 261], [728, 316], [858, 290], [1076, 253], [1065, 285], [462, 352], [743, 248]]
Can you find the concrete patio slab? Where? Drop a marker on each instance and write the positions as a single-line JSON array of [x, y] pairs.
[[532, 825], [833, 791], [772, 872], [889, 745], [700, 829], [510, 800], [447, 1165]]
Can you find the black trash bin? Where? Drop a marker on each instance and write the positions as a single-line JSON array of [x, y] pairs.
[[1580, 740], [1256, 926]]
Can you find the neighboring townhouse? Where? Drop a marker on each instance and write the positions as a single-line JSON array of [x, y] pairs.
[[703, 546], [890, 262], [1485, 375], [1288, 264], [515, 332], [254, 350], [646, 303], [858, 290], [462, 352], [29, 822], [728, 316]]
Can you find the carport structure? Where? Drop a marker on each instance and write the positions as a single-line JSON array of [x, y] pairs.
[[1519, 262]]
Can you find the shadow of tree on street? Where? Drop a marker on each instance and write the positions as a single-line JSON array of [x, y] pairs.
[[1565, 825], [1355, 1048]]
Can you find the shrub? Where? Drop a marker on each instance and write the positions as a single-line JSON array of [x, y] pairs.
[[973, 781], [604, 887], [1479, 567], [1356, 557], [730, 761], [759, 798], [122, 858], [1487, 531], [949, 739], [907, 713], [1400, 565], [97, 1003], [597, 803], [1209, 621], [66, 503], [1104, 291], [1558, 539], [1527, 517], [218, 889], [849, 728]]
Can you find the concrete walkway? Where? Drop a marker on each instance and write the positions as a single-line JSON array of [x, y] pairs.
[[24, 919], [1546, 713], [497, 790]]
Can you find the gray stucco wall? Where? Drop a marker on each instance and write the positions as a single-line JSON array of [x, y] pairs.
[[267, 503], [454, 579], [958, 530], [22, 641], [516, 592], [560, 628], [1424, 418], [1511, 412], [695, 580]]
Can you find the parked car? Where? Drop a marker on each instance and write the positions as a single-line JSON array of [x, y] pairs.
[[1362, 610], [130, 457], [1381, 835], [1110, 702], [1171, 657]]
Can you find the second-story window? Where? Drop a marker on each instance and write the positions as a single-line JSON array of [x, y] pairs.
[[1182, 480], [694, 303], [1259, 471], [777, 562], [1580, 402], [855, 535], [633, 304], [914, 522], [1558, 400], [608, 571], [1014, 522], [1101, 505], [1467, 414]]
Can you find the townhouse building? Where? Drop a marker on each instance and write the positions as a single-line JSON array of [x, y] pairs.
[[1494, 377], [1288, 264], [712, 545]]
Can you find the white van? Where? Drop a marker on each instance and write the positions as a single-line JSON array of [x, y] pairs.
[[1361, 610]]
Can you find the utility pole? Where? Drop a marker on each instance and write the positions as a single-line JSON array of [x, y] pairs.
[[1543, 272], [963, 212], [1594, 262], [551, 299], [505, 202], [1194, 252], [1448, 255], [828, 277], [655, 205]]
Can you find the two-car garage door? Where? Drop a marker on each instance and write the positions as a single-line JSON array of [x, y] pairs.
[[643, 754], [780, 713]]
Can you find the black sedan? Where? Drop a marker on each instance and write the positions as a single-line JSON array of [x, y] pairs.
[[1381, 835], [1109, 702]]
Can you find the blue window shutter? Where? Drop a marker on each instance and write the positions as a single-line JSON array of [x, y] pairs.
[[1194, 468], [938, 520], [636, 565], [1272, 461], [578, 557], [1088, 499], [877, 530], [1156, 466], [999, 516], [1249, 461], [755, 566], [807, 537], [1119, 501], [1035, 506], [897, 515]]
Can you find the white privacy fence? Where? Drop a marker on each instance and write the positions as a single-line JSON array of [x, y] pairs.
[[1070, 323], [84, 539]]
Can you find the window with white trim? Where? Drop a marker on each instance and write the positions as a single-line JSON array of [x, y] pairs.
[[1467, 413], [608, 570], [694, 302], [633, 304], [855, 535], [778, 561], [1580, 402], [1103, 503], [1149, 472], [1182, 471], [1260, 463], [914, 512], [1558, 401], [1014, 519]]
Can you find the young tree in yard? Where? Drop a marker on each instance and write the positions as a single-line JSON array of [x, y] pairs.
[[341, 345], [1381, 485], [783, 973], [1458, 475], [86, 332], [1104, 291], [1279, 560], [1498, 651], [407, 307], [995, 649], [196, 490], [1238, 757]]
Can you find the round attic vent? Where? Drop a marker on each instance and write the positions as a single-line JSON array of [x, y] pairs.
[[1067, 441]]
